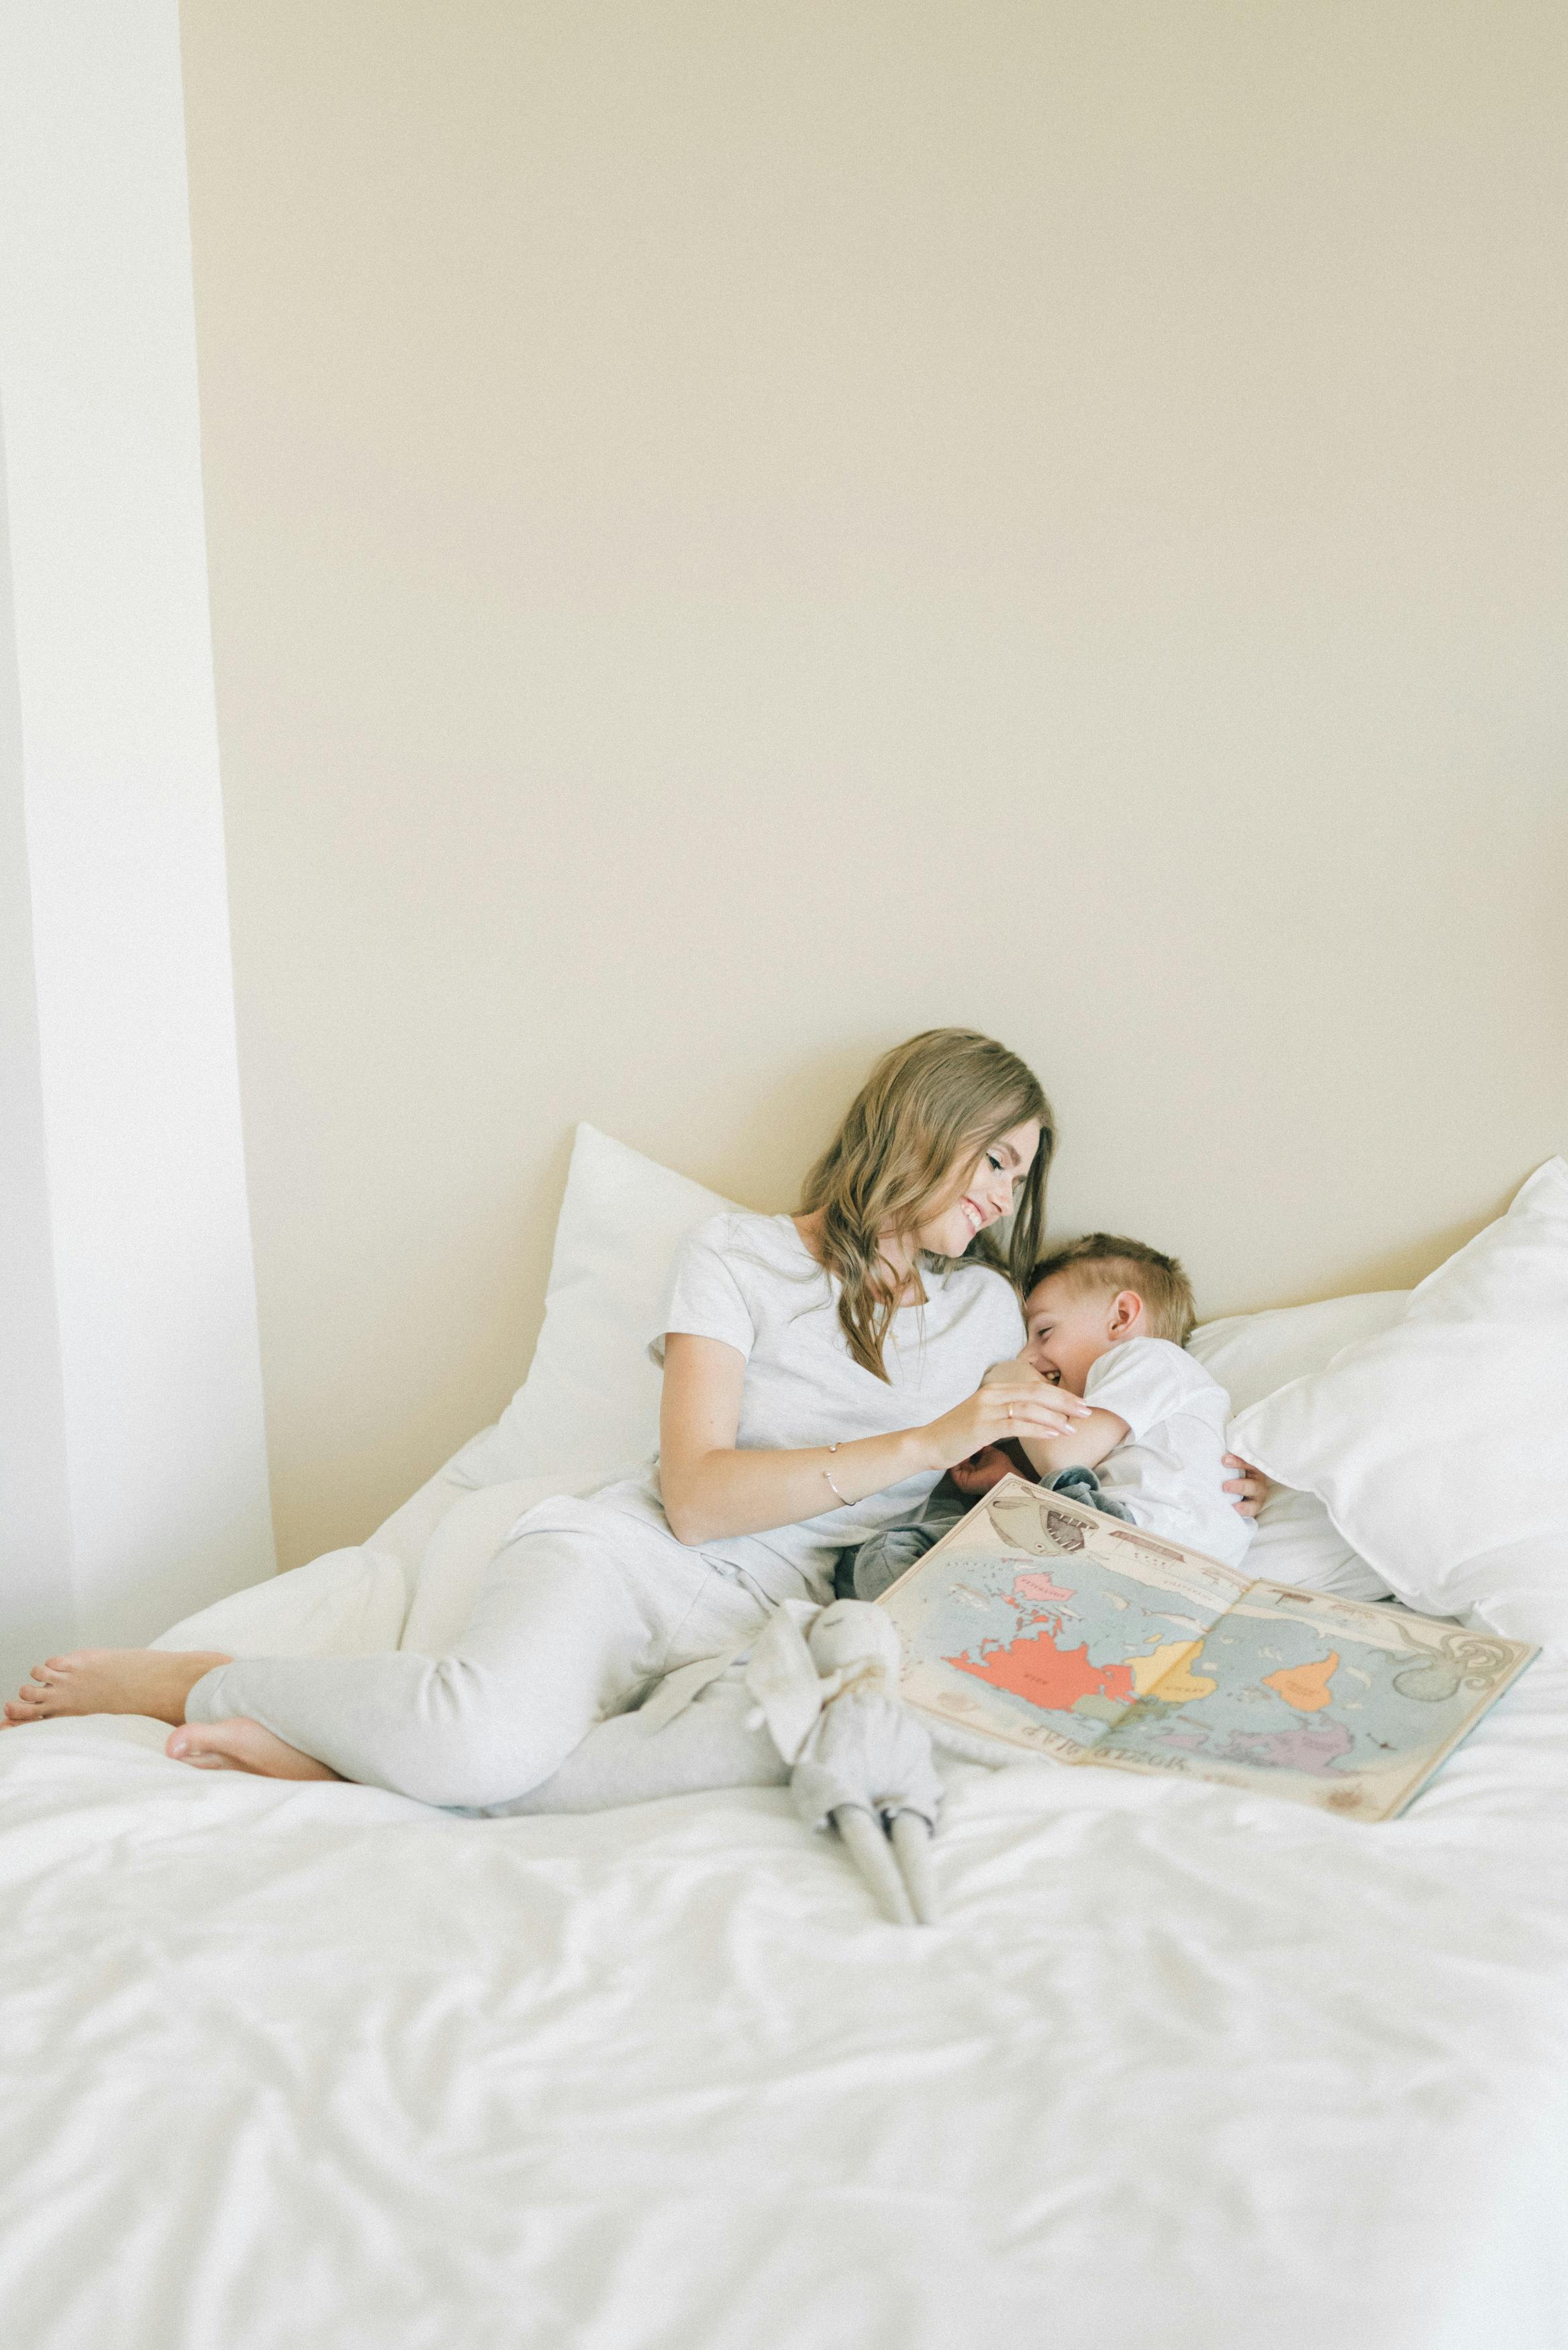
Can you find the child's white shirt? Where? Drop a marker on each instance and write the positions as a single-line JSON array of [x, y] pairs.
[[1169, 1468]]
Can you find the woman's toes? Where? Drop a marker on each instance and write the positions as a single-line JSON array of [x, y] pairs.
[[212, 1746], [242, 1746], [204, 1743], [201, 1758], [54, 1673]]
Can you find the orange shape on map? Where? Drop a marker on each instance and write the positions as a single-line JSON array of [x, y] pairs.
[[1037, 1669], [1305, 1686]]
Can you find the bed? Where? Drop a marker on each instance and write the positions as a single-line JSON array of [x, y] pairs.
[[315, 2064]]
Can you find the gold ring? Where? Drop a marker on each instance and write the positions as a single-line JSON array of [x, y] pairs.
[[1010, 1411]]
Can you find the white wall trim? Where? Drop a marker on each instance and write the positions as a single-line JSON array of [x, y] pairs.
[[130, 1169]]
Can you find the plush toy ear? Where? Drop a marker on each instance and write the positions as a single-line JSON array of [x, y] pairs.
[[783, 1677], [682, 1687]]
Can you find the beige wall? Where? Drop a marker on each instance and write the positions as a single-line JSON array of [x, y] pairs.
[[741, 532]]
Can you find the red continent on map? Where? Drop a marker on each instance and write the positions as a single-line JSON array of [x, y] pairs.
[[1037, 1669]]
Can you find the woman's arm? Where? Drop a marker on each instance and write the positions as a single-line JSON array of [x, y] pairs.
[[713, 1489]]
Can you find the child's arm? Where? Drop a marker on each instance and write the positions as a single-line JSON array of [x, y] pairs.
[[1084, 1446], [1090, 1441]]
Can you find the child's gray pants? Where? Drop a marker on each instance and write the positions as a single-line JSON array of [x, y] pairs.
[[578, 1612], [866, 1573]]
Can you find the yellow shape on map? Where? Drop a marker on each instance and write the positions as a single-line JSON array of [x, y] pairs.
[[1307, 1687], [1163, 1674]]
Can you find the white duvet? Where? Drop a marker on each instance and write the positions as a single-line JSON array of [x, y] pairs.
[[1184, 2068]]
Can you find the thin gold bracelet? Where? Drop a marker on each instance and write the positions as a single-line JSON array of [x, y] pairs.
[[831, 1486]]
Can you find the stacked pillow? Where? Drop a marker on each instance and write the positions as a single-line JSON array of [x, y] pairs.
[[1439, 1445], [589, 1405], [1252, 1354]]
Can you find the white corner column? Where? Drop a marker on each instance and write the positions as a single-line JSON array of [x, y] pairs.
[[132, 1455]]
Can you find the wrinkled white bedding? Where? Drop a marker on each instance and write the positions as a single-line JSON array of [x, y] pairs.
[[1185, 2068]]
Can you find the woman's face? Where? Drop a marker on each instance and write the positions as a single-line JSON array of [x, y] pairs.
[[978, 1194]]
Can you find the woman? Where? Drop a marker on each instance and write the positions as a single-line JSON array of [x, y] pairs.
[[821, 1372]]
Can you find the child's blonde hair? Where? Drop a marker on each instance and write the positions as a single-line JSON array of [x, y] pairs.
[[1106, 1262], [930, 1106]]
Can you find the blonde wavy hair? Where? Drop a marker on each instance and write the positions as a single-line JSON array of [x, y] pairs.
[[913, 1135]]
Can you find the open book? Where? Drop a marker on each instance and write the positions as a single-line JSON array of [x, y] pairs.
[[1053, 1628]]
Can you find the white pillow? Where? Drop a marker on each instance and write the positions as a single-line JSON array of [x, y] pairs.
[[1298, 1542], [589, 1405], [1440, 1447], [1251, 1355], [347, 1602]]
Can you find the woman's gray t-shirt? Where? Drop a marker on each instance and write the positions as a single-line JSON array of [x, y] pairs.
[[751, 1282]]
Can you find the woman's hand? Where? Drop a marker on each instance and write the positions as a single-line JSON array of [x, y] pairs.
[[1250, 1485], [1023, 1407]]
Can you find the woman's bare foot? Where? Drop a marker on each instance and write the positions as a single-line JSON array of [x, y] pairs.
[[242, 1745], [155, 1681]]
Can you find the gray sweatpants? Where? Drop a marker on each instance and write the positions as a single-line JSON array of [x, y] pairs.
[[581, 1609]]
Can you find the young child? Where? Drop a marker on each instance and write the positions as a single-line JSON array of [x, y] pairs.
[[1107, 1319]]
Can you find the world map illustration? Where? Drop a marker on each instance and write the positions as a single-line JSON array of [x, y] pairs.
[[1080, 1637], [1242, 1690]]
